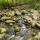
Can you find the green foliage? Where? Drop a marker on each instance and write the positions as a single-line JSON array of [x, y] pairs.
[[5, 3], [28, 1], [35, 3]]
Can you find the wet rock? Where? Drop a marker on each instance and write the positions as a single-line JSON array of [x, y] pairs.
[[11, 38], [19, 38], [23, 28]]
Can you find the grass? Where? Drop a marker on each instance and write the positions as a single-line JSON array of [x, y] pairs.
[[36, 6], [5, 3]]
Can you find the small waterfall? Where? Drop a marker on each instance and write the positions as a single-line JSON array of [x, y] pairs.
[[22, 29], [22, 32]]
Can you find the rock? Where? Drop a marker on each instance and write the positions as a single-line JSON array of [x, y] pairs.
[[35, 14], [34, 32], [5, 18], [33, 22], [1, 35], [11, 37], [4, 10], [28, 10], [16, 29], [19, 38], [14, 18], [37, 36], [9, 21], [17, 12], [32, 10], [23, 28], [24, 12], [2, 30], [29, 19], [38, 24], [14, 37], [12, 13]]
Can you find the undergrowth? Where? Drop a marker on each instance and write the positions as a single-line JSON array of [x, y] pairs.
[[7, 3]]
